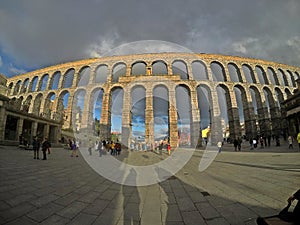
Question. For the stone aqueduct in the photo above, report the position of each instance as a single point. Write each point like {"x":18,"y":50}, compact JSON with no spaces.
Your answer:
{"x":263,"y":82}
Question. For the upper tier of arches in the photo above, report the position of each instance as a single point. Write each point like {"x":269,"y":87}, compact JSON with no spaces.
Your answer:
{"x":197,"y":67}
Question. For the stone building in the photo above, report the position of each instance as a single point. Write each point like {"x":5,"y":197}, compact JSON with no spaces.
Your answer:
{"x":186,"y":92}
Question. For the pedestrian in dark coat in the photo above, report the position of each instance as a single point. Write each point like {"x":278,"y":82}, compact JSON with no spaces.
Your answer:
{"x":45,"y":146}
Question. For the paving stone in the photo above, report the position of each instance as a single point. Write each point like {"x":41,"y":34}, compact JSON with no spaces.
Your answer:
{"x":89,"y":197}
{"x":17,"y":211}
{"x":173,"y":213}
{"x":22,"y":221}
{"x":197,"y":196}
{"x":19,"y":199}
{"x":83,"y":218}
{"x":4,"y":206}
{"x":186,"y":204}
{"x":72,"y":210}
{"x":96,"y":207}
{"x":67,"y":199}
{"x":38,"y":202}
{"x":55,"y":219}
{"x":44,"y":212}
{"x":193,"y":218}
{"x":109,"y":217}
{"x":207,"y":211}
{"x":217,"y":221}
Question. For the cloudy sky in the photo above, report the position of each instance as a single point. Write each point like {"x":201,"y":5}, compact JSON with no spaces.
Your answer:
{"x":36,"y":34}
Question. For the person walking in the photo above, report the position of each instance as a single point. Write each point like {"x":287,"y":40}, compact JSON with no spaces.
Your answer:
{"x":290,"y":140}
{"x":219,"y":145}
{"x":45,"y":146}
{"x":90,"y":146}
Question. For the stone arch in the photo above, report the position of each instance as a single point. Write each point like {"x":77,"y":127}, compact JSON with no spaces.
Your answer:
{"x":261,"y":75}
{"x":54,"y":81}
{"x":180,"y":67}
{"x":218,"y":71}
{"x":248,"y":112}
{"x":234,"y":73}
{"x":297,"y":75}
{"x":33,"y":84}
{"x":161,"y":107}
{"x":19,"y":102}
{"x":10,"y":87}
{"x":95,"y":107}
{"x":279,"y":96}
{"x":159,"y":67}
{"x":27,"y":103}
{"x":101,"y":74}
{"x":62,"y":106}
{"x":273,"y":77}
{"x":282,"y":77}
{"x":248,"y":73}
{"x":17,"y":87}
{"x":274,"y":112}
{"x":68,"y":78}
{"x":83,"y":76}
{"x":291,"y":79}
{"x":184,"y":114}
{"x":288,"y":92}
{"x":43,"y":82}
{"x":204,"y":98}
{"x":119,"y":70}
{"x":116,"y":106}
{"x":49,"y":105}
{"x":138,"y":68}
{"x":36,"y":110}
{"x":24,"y":86}
{"x":199,"y":70}
{"x":138,"y":111}
{"x":78,"y":108}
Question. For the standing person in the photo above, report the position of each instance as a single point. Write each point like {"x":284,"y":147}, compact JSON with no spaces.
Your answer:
{"x":169,"y":148}
{"x":235,"y":144}
{"x":101,"y":146}
{"x":36,"y":147}
{"x":90,"y":146}
{"x":290,"y":140}
{"x":45,"y":147}
{"x":298,"y":139}
{"x":219,"y":145}
{"x":251,"y":143}
{"x":239,"y":144}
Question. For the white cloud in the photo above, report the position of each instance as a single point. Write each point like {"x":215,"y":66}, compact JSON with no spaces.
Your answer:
{"x":15,"y":70}
{"x":294,"y":42}
{"x":244,"y":45}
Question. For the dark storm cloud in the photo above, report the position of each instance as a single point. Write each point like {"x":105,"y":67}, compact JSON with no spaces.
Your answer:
{"x":41,"y":33}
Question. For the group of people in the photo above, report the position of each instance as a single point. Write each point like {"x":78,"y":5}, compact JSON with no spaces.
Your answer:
{"x":37,"y":144}
{"x":103,"y":147}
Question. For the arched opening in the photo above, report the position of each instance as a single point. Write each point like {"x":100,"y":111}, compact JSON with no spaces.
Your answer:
{"x":138,"y":107}
{"x":291,"y":79}
{"x":17,"y":87}
{"x":49,"y":107}
{"x":68,"y":78}
{"x":55,"y":80}
{"x":248,"y":72}
{"x":37,"y":105}
{"x":84,"y":76}
{"x":234,"y":72}
{"x":119,"y":70}
{"x":116,"y":112}
{"x":78,"y":107}
{"x":96,"y":109}
{"x":261,"y":75}
{"x":179,"y":67}
{"x":101,"y":74}
{"x":25,"y":86}
{"x":159,"y":68}
{"x":272,"y":76}
{"x":218,"y":71}
{"x":43,"y":83}
{"x":199,"y":71}
{"x":138,"y":68}
{"x":183,"y":105}
{"x":161,"y":113}
{"x":33,"y":84}
{"x":282,"y":78}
